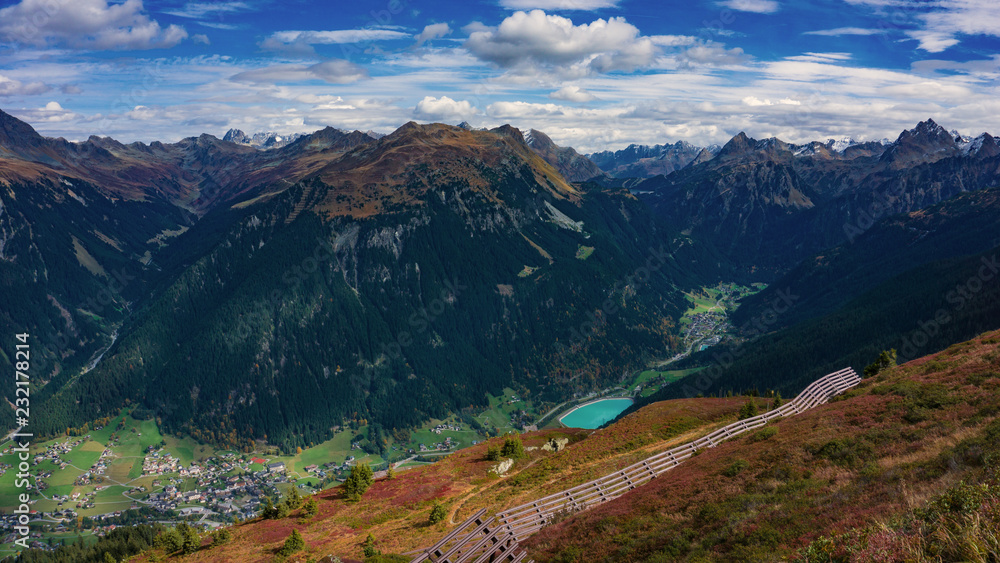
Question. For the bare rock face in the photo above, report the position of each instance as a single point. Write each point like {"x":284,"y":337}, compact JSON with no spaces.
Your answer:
{"x":646,"y":161}
{"x":556,"y":444}
{"x":572,"y":165}
{"x":503,"y":467}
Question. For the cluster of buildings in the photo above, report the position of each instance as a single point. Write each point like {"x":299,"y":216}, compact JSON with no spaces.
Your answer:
{"x":54,"y":452}
{"x":236,"y":496}
{"x":447,"y":444}
{"x":156,"y":463}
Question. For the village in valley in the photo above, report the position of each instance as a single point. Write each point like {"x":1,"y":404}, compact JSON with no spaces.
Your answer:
{"x":126,"y":472}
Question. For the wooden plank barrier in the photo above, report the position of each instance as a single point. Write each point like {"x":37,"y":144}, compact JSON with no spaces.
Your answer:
{"x":496,"y":539}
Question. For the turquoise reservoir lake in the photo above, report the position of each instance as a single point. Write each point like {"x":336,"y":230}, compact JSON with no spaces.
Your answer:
{"x":595,"y":414}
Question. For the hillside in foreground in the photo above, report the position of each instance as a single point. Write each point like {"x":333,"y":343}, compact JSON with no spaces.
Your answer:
{"x":868,"y":469}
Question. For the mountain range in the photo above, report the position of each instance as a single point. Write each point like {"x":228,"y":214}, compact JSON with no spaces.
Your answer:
{"x":247,"y":294}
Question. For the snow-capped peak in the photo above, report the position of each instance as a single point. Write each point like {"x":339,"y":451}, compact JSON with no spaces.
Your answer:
{"x":841,"y":144}
{"x":972,"y":146}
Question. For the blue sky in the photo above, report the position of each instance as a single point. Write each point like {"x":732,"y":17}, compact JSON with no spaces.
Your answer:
{"x":594,"y":74}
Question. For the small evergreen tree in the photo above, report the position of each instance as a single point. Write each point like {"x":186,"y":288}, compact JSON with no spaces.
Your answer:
{"x":438,"y":513}
{"x":294,"y":500}
{"x":269,"y":511}
{"x":493,"y":453}
{"x":358,"y":481}
{"x":390,"y":473}
{"x":221,"y":536}
{"x":885,"y":360}
{"x":192,"y":540}
{"x":513,"y":447}
{"x":310,"y":508}
{"x":368,"y":548}
{"x":777,"y":401}
{"x":171,"y":541}
{"x":748,"y":410}
{"x":294,"y":543}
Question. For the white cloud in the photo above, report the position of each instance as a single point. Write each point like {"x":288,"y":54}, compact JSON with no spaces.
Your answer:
{"x":335,"y":71}
{"x":522,"y":110}
{"x":444,"y":109}
{"x":338,"y":36}
{"x":86,"y":24}
{"x":584,"y":5}
{"x":941,"y":22}
{"x":201,"y":38}
{"x":196,"y":10}
{"x":12,"y":87}
{"x":301,"y":42}
{"x":712,"y":54}
{"x":529,"y":40}
{"x":821,"y":57}
{"x":52,"y":112}
{"x":932,"y":41}
{"x":968,"y":17}
{"x":142,"y":113}
{"x":755,"y":6}
{"x":475,"y":26}
{"x":572,"y":94}
{"x":673,"y":40}
{"x":431,"y":32}
{"x":841,"y":31}
{"x":753,"y":101}
{"x":217,"y":25}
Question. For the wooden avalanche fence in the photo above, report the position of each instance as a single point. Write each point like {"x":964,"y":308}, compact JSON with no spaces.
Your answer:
{"x":482,"y":539}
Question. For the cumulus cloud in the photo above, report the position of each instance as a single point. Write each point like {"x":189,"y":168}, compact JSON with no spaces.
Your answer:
{"x":572,"y":94}
{"x":12,"y":87}
{"x":201,"y":38}
{"x":444,"y":109}
{"x":755,"y":6}
{"x":86,"y":24}
{"x":431,"y":32}
{"x":584,"y":5}
{"x":532,"y":40}
{"x":335,"y":71}
{"x":52,"y":112}
{"x":142,"y":113}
